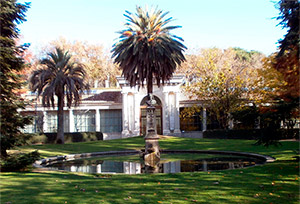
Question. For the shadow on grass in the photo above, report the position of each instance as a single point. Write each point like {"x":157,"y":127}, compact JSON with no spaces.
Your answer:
{"x":271,"y":183}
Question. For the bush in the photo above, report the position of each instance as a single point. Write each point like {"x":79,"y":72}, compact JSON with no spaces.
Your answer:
{"x":250,"y":134}
{"x":37,"y":139}
{"x":269,"y":136}
{"x":50,"y":138}
{"x":262,"y":135}
{"x":18,"y":162}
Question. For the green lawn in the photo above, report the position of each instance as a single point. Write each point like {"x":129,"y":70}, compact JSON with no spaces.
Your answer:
{"x":276,"y":182}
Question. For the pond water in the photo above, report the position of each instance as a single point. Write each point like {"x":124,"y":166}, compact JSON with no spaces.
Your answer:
{"x":169,"y":163}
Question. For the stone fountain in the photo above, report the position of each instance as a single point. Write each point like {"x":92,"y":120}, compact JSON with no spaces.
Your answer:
{"x":151,"y":155}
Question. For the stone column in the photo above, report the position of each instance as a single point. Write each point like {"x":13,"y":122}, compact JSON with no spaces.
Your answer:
{"x":166,"y":122}
{"x":177,"y":119}
{"x":136,"y":115}
{"x":71,"y":121}
{"x":125,"y":131}
{"x":97,"y":120}
{"x":172,"y":110}
{"x":130,"y":111}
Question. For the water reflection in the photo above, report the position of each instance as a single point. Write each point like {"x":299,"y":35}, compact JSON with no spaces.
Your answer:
{"x":111,"y":167}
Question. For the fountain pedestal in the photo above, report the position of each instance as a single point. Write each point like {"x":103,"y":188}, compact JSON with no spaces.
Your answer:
{"x":152,"y":151}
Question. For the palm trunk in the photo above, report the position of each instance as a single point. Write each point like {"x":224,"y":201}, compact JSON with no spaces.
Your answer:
{"x":150,"y":85}
{"x":60,"y":121}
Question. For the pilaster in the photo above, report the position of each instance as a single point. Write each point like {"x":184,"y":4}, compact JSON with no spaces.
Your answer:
{"x":71,"y":121}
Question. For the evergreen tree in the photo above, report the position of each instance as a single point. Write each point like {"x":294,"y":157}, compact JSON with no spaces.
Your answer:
{"x":11,"y":63}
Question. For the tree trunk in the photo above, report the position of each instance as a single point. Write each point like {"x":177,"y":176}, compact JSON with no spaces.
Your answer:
{"x":150,"y":85}
{"x":3,"y":153}
{"x":60,"y":121}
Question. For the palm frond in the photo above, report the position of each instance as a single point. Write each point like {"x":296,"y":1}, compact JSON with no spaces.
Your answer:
{"x":146,"y":49}
{"x":59,"y":77}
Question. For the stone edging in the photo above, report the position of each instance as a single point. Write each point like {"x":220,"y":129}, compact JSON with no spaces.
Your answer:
{"x":40,"y":163}
{"x":265,"y":158}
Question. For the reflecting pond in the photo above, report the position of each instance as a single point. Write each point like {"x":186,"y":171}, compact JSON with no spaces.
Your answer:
{"x":169,"y":163}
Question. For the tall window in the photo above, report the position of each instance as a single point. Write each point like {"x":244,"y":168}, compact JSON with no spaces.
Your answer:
{"x":52,"y":121}
{"x":37,"y":122}
{"x":191,"y":121}
{"x":85,"y":121}
{"x":110,"y":121}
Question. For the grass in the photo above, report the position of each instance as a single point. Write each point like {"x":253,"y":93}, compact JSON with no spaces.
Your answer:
{"x":276,"y":182}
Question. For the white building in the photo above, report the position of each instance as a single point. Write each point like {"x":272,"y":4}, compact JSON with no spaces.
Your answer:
{"x":121,"y":113}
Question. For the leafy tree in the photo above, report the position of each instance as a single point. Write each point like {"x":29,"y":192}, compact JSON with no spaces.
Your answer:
{"x":147,"y":50}
{"x":61,"y":78}
{"x":223,"y":80}
{"x":11,"y":63}
{"x":97,"y":62}
{"x":270,"y":82}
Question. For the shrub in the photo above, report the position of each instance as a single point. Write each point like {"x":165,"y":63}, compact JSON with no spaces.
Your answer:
{"x":37,"y":139}
{"x":50,"y":138}
{"x":266,"y":136}
{"x":18,"y":162}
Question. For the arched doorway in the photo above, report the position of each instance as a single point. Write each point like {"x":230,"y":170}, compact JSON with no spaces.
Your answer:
{"x":158,"y":115}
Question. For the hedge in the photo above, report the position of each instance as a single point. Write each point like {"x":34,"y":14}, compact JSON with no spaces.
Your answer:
{"x":50,"y":138}
{"x":252,"y":134}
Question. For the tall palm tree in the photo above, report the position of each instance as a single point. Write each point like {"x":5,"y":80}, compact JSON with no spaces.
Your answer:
{"x":146,"y":49}
{"x":61,"y":78}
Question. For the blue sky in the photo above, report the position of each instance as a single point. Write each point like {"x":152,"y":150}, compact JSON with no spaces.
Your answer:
{"x":248,"y":24}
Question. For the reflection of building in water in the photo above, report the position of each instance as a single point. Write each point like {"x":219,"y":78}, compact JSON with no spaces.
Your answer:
{"x":132,"y":168}
{"x":172,"y":167}
{"x":103,"y":167}
{"x":112,"y":167}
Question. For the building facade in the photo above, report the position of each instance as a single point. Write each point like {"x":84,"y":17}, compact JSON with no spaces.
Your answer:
{"x":121,"y":112}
